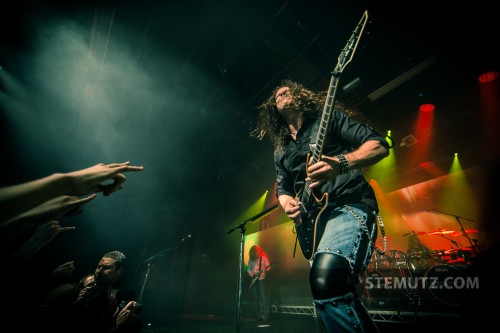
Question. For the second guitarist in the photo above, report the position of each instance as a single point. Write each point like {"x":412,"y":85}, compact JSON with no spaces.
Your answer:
{"x":337,"y":228}
{"x":258,"y":267}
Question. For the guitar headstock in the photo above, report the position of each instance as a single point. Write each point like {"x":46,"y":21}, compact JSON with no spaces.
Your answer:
{"x":347,"y":53}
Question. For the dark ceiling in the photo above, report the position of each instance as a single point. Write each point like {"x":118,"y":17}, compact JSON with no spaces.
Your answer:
{"x":213,"y":62}
{"x":246,"y":47}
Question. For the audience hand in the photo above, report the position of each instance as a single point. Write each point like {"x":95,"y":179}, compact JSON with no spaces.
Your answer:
{"x":128,"y":315}
{"x":58,"y":207}
{"x":50,"y":210}
{"x":44,"y":233}
{"x":65,"y":270}
{"x":48,"y":231}
{"x":90,"y":180}
{"x":105,"y":178}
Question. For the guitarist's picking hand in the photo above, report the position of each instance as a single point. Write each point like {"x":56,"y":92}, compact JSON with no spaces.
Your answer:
{"x":291,"y":206}
{"x":323,"y":171}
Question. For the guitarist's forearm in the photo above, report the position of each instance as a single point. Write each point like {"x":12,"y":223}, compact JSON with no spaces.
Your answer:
{"x":366,"y":155}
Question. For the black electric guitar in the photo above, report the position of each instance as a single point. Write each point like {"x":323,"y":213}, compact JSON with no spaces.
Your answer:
{"x":313,"y":205}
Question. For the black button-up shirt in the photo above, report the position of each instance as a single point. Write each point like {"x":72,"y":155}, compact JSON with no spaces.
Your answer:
{"x":344,"y":135}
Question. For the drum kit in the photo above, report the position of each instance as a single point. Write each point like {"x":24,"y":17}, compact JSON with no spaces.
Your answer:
{"x":417,"y":278}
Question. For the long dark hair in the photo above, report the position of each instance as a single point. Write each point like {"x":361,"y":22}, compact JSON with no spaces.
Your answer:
{"x":256,"y":249}
{"x":271,"y":123}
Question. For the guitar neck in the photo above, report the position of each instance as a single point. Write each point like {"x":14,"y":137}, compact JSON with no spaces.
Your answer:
{"x":325,"y":120}
{"x":322,"y":131}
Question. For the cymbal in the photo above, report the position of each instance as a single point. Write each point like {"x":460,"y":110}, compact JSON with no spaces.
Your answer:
{"x":470,"y":231}
{"x":415,"y":233}
{"x":441,"y":232}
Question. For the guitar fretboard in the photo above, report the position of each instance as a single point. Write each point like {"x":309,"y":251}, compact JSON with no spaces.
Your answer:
{"x":322,"y":132}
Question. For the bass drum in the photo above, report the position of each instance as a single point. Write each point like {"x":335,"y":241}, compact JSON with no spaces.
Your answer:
{"x":449,"y":285}
{"x":378,"y":289}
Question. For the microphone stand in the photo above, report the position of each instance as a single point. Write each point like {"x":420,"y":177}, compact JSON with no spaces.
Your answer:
{"x":241,"y":227}
{"x":150,"y":260}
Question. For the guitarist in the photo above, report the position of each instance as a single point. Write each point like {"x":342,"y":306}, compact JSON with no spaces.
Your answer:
{"x":258,"y":266}
{"x":346,"y":231}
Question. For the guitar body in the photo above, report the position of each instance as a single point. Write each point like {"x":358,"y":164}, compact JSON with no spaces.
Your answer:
{"x":308,"y":232}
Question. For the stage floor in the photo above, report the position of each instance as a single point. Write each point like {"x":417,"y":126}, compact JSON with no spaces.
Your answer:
{"x":387,"y":322}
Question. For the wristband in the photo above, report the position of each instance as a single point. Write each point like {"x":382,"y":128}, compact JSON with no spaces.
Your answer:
{"x":344,"y":165}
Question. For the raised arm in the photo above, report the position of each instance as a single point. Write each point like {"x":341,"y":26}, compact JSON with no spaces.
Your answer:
{"x":16,"y":199}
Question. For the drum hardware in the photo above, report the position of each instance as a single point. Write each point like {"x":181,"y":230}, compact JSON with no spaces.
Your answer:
{"x":420,"y":261}
{"x":382,"y":273}
{"x":456,"y":255}
{"x":418,"y":266}
{"x":424,"y":276}
{"x":462,"y":230}
{"x":462,"y":255}
{"x":441,"y":256}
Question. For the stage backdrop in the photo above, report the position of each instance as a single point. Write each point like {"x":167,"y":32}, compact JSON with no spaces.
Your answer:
{"x":428,"y":215}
